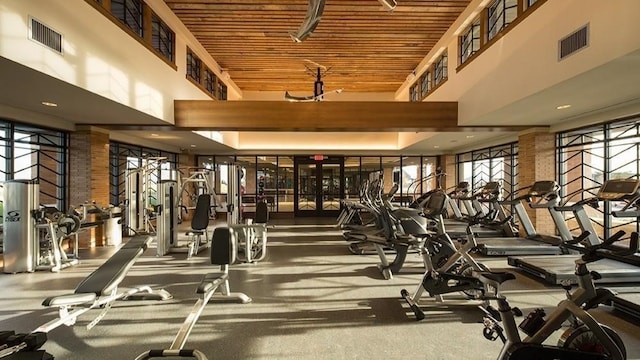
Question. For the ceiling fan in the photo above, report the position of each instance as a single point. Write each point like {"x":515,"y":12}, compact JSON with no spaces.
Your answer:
{"x":314,"y":13}
{"x":318,"y":85}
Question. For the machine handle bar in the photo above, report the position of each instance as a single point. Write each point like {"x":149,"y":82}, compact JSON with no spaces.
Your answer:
{"x":605,"y":249}
{"x":583,"y":236}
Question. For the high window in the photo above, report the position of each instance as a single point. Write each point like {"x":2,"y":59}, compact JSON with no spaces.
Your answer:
{"x":499,"y":17}
{"x":210,"y":81}
{"x":440,"y":70}
{"x":425,"y":83}
{"x":470,"y":41}
{"x":139,"y":20}
{"x":500,"y":14}
{"x":129,"y":12}
{"x":222,"y":91}
{"x":414,"y":92}
{"x":194,"y":65}
{"x":162,"y":37}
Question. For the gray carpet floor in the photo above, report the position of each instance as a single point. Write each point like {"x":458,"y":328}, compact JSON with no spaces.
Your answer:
{"x":312,"y":299}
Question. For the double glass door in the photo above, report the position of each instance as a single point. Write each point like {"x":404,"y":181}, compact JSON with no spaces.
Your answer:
{"x":319,"y":186}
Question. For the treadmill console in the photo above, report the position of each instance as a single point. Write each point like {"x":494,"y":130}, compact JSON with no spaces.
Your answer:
{"x":462,"y":187}
{"x":541,"y":188}
{"x":618,"y":189}
{"x":492,"y":187}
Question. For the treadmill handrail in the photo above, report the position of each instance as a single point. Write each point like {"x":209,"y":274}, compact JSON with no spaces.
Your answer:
{"x":626,"y":213}
{"x":570,"y":196}
{"x":606,"y":249}
{"x":585,"y":235}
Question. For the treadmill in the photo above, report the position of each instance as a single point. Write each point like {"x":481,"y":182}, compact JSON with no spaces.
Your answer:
{"x":489,"y":193}
{"x":560,"y":269}
{"x":627,"y":301}
{"x":542,"y":194}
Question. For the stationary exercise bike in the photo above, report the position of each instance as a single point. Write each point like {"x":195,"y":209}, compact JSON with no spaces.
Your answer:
{"x":585,"y":339}
{"x":449,"y":269}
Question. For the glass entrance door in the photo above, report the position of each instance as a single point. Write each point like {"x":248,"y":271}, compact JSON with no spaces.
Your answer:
{"x":319,"y":186}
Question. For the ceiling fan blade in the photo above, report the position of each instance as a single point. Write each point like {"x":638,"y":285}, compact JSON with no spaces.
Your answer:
{"x":311,"y":20}
{"x":292,"y":98}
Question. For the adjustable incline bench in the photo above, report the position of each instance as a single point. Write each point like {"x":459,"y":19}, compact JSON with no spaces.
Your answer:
{"x":100,"y":288}
{"x":223,"y":253}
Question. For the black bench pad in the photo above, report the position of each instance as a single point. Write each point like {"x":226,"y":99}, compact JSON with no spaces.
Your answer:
{"x":107,"y":277}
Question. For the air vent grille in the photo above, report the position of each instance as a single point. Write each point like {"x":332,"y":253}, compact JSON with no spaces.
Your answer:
{"x":573,"y":42}
{"x":45,"y":35}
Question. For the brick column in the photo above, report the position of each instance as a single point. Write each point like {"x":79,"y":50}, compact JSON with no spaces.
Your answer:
{"x":89,"y":175}
{"x":537,"y":161}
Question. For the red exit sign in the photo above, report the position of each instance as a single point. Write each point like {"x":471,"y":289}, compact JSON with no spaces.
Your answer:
{"x":319,"y":157}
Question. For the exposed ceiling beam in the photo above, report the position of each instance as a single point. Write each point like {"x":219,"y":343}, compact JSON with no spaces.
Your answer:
{"x":321,"y":116}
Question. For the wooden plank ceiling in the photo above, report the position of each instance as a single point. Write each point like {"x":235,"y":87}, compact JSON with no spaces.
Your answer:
{"x":364,"y":47}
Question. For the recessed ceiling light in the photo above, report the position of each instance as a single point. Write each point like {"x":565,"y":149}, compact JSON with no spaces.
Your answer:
{"x":566,"y":106}
{"x":192,"y":145}
{"x":155,"y":135}
{"x":470,"y":136}
{"x":48,"y":103}
{"x":436,"y":146}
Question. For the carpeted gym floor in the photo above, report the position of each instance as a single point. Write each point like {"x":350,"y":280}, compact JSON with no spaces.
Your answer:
{"x":312,"y":299}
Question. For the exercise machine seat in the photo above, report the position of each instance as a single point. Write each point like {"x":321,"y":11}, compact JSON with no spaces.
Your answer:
{"x":223,"y":250}
{"x":200,"y":220}
{"x":262,"y":213}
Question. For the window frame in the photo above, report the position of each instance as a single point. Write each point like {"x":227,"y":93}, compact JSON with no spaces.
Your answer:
{"x":501,"y":18}
{"x":137,"y":18}
{"x":194,"y":67}
{"x":440,"y":70}
{"x":146,"y":37}
{"x":472,"y":45}
{"x":165,"y":38}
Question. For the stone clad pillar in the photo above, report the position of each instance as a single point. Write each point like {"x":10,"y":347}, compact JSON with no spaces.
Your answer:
{"x":89,"y":175}
{"x":536,"y":162}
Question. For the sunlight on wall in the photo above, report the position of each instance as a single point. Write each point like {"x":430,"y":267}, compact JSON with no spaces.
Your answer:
{"x":148,"y":100}
{"x":108,"y":81}
{"x":16,"y":46}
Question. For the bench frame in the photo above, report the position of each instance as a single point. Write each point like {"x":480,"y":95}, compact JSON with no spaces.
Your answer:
{"x":70,"y":306}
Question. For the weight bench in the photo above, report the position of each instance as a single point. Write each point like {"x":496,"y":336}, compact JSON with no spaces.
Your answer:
{"x":223,"y":253}
{"x":100,"y":288}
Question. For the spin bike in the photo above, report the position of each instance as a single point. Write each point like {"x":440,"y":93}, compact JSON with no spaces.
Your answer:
{"x":449,"y":269}
{"x":585,"y":339}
